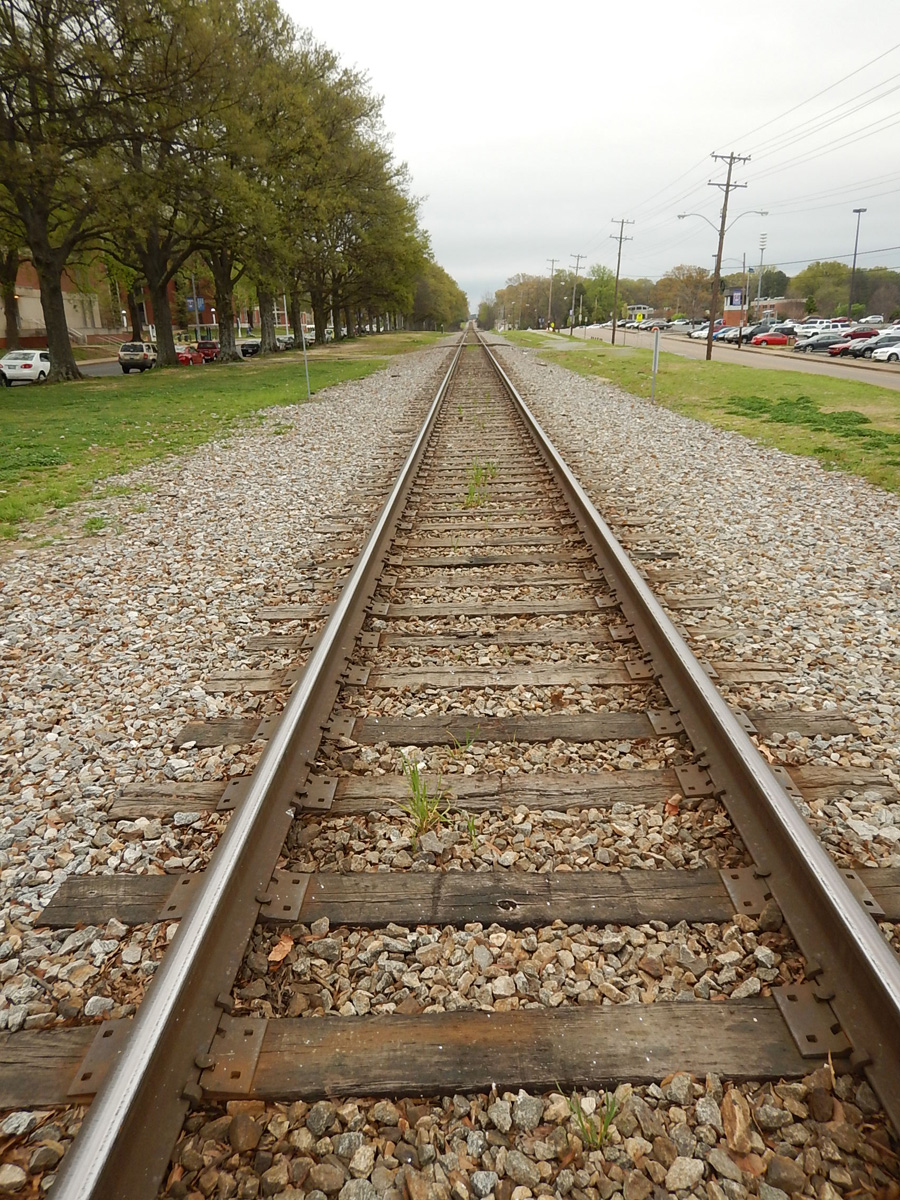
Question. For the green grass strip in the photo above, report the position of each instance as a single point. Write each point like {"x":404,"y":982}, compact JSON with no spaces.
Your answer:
{"x":845,"y":425}
{"x":57,"y":441}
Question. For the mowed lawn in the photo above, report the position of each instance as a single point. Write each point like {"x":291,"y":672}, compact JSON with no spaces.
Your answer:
{"x":58,"y":440}
{"x":846,"y":425}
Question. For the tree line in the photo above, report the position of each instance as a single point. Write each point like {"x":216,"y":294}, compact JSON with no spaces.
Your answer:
{"x":151,"y":131}
{"x":536,"y":301}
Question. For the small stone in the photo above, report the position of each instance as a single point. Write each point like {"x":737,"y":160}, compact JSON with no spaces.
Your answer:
{"x":243,"y":1133}
{"x":12,"y":1179}
{"x":358,"y":1189}
{"x":786,"y":1174}
{"x":679,"y":1089}
{"x":326,"y":1177}
{"x":346,"y":1144}
{"x":522,"y":1170}
{"x":637,"y":1186}
{"x":767,"y":1192}
{"x":684,"y":1173}
{"x":320,"y":1117}
{"x":736,"y":1121}
{"x":724,"y":1165}
{"x":384,"y":1113}
{"x":708,"y":1113}
{"x":652,"y":965}
{"x":16,"y":1124}
{"x":821,"y":1104}
{"x":483,"y":1183}
{"x":362,"y":1162}
{"x":771,"y":918}
{"x":46,"y":1157}
{"x":96,"y":1005}
{"x":664,"y":1151}
{"x":500,"y":1114}
{"x":527,"y":1111}
{"x":275,"y":1179}
{"x":504,"y":986}
{"x":770,"y":1118}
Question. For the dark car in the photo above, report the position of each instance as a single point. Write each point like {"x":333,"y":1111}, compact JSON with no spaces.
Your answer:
{"x":249,"y":347}
{"x":819,"y":342}
{"x":209,"y":350}
{"x":863,"y":347}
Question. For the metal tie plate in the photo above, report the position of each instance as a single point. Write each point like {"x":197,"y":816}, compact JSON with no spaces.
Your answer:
{"x":863,"y":895}
{"x":357,"y":676}
{"x":622,"y":633}
{"x":235,"y":1048}
{"x":748,"y":891}
{"x":101,"y":1054}
{"x":234,"y":793}
{"x":341,"y":725}
{"x":695,"y":780}
{"x":665,"y":721}
{"x":811,"y":1020}
{"x":318,"y":792}
{"x":639,"y":671}
{"x":369,"y":641}
{"x":283,"y":898}
{"x":176,"y":904}
{"x":378,"y":608}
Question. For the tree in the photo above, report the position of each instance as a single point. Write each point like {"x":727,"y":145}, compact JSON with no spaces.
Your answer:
{"x":487,"y":313}
{"x":12,"y":238}
{"x":599,"y":292}
{"x":439,"y":301}
{"x":59,"y":65}
{"x":685,"y":289}
{"x":826,"y":283}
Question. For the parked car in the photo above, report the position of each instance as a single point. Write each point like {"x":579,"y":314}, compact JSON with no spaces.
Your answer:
{"x":249,"y":347}
{"x":210,"y":350}
{"x":26,"y":365}
{"x":285,"y":341}
{"x":851,"y":338}
{"x":769,"y":338}
{"x":889,"y":354}
{"x":188,"y":356}
{"x":137,"y":356}
{"x":866,"y":347}
{"x":703,"y":331}
{"x":4,"y":378}
{"x":875,"y":319}
{"x":818,"y":343}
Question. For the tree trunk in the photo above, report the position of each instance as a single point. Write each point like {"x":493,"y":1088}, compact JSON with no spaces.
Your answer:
{"x":320,"y":319}
{"x":9,"y":269}
{"x":350,"y":322}
{"x":162,"y":319}
{"x":336,"y":309}
{"x":134,"y":315}
{"x":266,"y":301}
{"x":49,"y":271}
{"x":296,"y":310}
{"x":221,"y":263}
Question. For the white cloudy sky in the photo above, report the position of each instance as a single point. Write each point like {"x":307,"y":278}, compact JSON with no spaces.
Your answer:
{"x":527,"y":127}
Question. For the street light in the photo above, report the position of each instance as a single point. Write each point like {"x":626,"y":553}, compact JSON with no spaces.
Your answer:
{"x":859,"y":212}
{"x":760,"y":212}
{"x":722,"y":230}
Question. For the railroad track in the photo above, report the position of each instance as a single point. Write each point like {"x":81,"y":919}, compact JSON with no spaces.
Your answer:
{"x":498,"y":738}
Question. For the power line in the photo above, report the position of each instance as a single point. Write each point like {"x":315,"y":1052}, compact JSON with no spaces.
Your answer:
{"x":727,"y":187}
{"x":830,"y":88}
{"x":578,"y":258}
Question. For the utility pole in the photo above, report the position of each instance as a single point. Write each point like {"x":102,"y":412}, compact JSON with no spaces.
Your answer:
{"x":859,"y":212}
{"x":552,"y":262}
{"x":578,"y":258}
{"x":745,"y":299}
{"x":620,"y":238}
{"x":726,"y":187}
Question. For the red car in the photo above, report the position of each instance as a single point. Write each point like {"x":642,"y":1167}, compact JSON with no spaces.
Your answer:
{"x":189,"y":356}
{"x":769,"y":339}
{"x":209,"y":350}
{"x":842,"y":349}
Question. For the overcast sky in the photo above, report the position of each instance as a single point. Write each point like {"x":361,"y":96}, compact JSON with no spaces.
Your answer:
{"x":527,"y":128}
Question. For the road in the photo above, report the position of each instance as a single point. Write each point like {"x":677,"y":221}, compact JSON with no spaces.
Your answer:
{"x":880,"y":374}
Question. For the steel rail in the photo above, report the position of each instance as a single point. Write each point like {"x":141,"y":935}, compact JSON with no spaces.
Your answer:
{"x":857,"y":971}
{"x":126,"y":1140}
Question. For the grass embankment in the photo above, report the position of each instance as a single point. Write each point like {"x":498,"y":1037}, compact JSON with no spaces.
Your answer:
{"x":57,"y":441}
{"x":846,"y":425}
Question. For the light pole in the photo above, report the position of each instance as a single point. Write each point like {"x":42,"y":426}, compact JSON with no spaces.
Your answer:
{"x":763,"y":238}
{"x":859,"y":212}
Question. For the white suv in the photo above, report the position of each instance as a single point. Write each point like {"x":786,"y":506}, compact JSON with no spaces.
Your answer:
{"x":138,"y":356}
